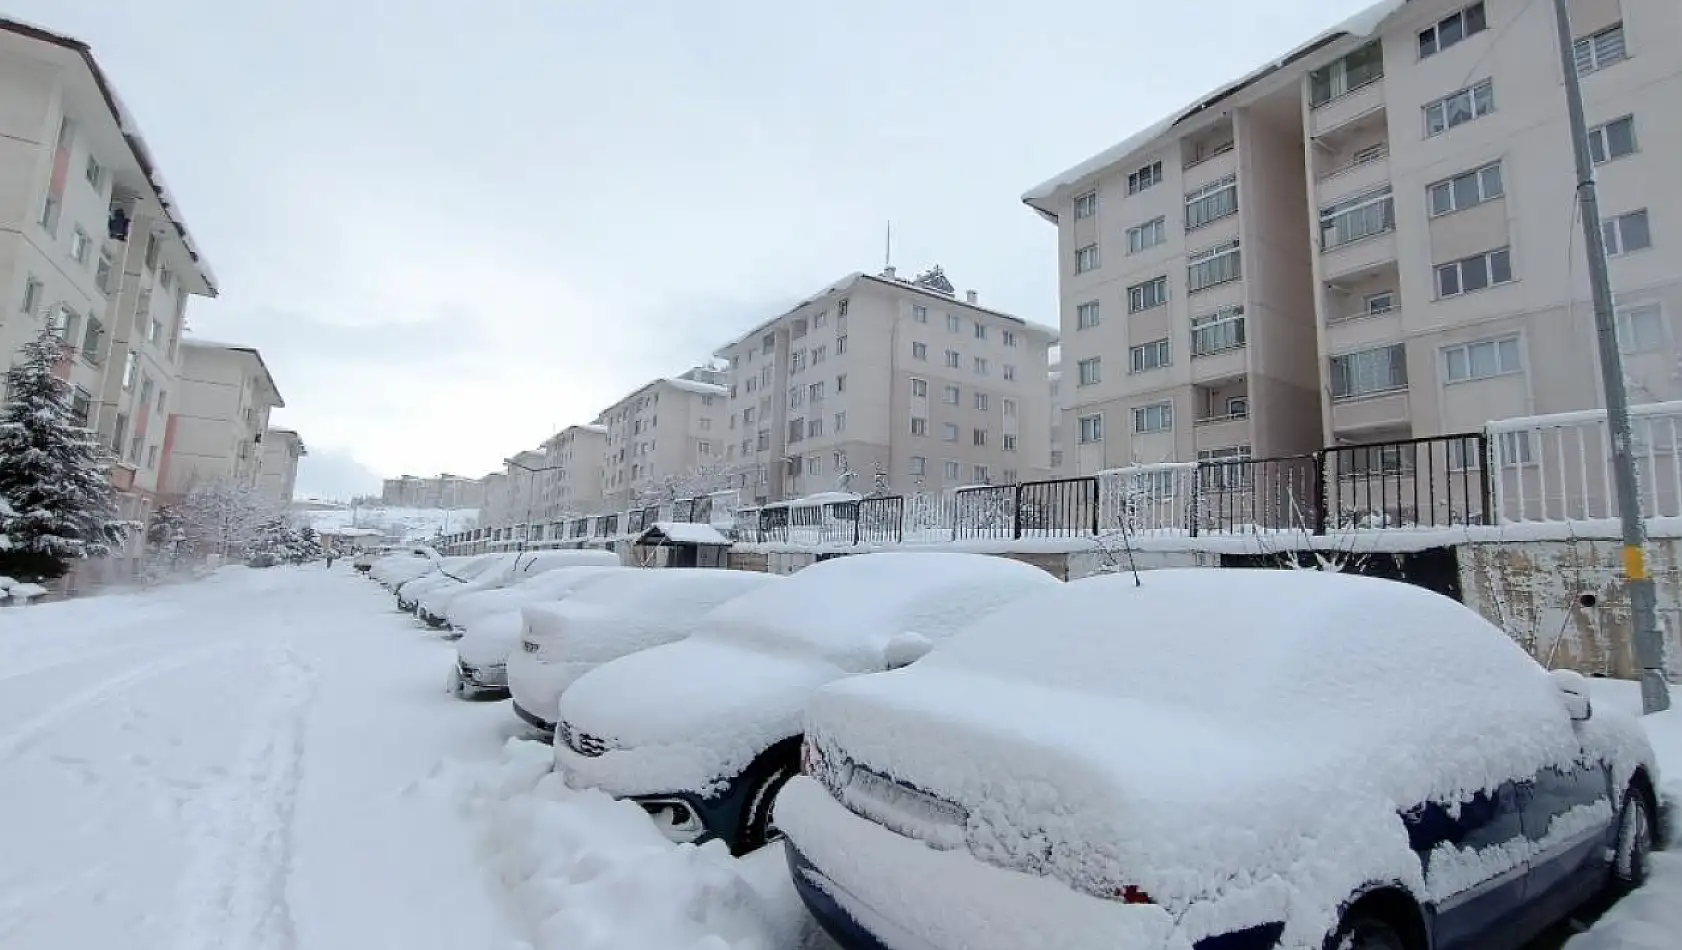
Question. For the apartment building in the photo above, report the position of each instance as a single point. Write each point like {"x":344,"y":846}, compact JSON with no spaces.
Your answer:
{"x":277,"y":472}
{"x":667,"y":429}
{"x":92,"y":244}
{"x":496,"y":509}
{"x":1054,"y":382}
{"x":1373,"y":238}
{"x":221,"y":412}
{"x":573,"y":462}
{"x":881,"y":374}
{"x":443,"y":491}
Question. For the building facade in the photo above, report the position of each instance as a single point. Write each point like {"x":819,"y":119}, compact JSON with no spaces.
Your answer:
{"x":91,"y":245}
{"x":444,"y":491}
{"x":215,"y":433}
{"x":1373,"y":239}
{"x":882,"y":376}
{"x":277,"y":473}
{"x":666,"y":436}
{"x":572,"y":464}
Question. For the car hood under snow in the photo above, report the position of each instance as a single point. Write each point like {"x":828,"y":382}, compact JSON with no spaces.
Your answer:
{"x":490,"y":640}
{"x":686,"y":716}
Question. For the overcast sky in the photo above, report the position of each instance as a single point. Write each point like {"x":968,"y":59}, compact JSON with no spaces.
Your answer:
{"x":454,"y":227}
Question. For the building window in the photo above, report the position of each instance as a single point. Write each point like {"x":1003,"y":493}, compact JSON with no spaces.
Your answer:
{"x":1474,"y":273}
{"x":1466,"y":190}
{"x":1481,"y":360}
{"x":1087,"y":315}
{"x":1086,"y":205}
{"x":919,"y":425}
{"x":841,"y":383}
{"x":1613,"y":140}
{"x":32,"y":292}
{"x":1212,"y":202}
{"x":1212,"y":266}
{"x":950,"y":395}
{"x":821,"y":320}
{"x":1363,"y":66}
{"x":119,"y":432}
{"x":1600,"y":50}
{"x":1009,"y":408}
{"x":1091,"y":372}
{"x":763,"y":440}
{"x":919,"y":465}
{"x":1148,"y":295}
{"x":981,"y":402}
{"x":1056,"y":458}
{"x":1362,"y":216}
{"x":1008,"y":371}
{"x":1091,"y":429}
{"x":920,"y":351}
{"x":151,"y":458}
{"x":1641,"y":328}
{"x":814,"y":427}
{"x":1148,"y":356}
{"x":1146,"y":177}
{"x":1157,"y":417}
{"x":952,"y":359}
{"x":1217,"y":331}
{"x":704,"y":447}
{"x":1459,"y":108}
{"x":920,"y":389}
{"x":981,"y":475}
{"x":840,"y":423}
{"x":920,"y":313}
{"x":951,"y":470}
{"x":767,"y":343}
{"x":49,"y":215}
{"x":1147,"y":235}
{"x":796,"y":430}
{"x":1368,"y":372}
{"x":948,"y":433}
{"x":981,"y":366}
{"x":80,"y":245}
{"x":814,"y":392}
{"x":146,"y":387}
{"x":979,"y":437}
{"x":841,"y":308}
{"x":1009,"y":337}
{"x":81,"y":406}
{"x":1452,"y":29}
{"x":953,"y":324}
{"x":1626,"y":233}
{"x":91,"y":340}
{"x":1009,"y":442}
{"x":130,"y":367}
{"x":94,"y":173}
{"x":105,"y":274}
{"x":840,"y":345}
{"x":1086,"y":259}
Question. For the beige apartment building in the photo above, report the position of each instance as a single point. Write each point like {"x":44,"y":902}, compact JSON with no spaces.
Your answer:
{"x":669,"y":429}
{"x":222,"y":409}
{"x":880,"y":374}
{"x":443,"y":491}
{"x":277,"y":473}
{"x":1374,"y":239}
{"x":571,"y":483}
{"x":92,"y":244}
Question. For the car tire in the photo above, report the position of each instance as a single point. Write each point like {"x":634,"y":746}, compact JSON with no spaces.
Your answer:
{"x":764,"y":780}
{"x":1633,"y":848}
{"x":1366,"y":931}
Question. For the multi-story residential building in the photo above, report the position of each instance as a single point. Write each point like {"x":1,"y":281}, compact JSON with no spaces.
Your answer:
{"x":523,"y":474}
{"x":92,"y":244}
{"x":572,"y":465}
{"x":444,"y":491}
{"x":876,"y":374}
{"x":665,"y":430}
{"x":277,"y":473}
{"x":497,"y":508}
{"x":1373,"y":238}
{"x":221,"y":412}
{"x":1054,"y":380}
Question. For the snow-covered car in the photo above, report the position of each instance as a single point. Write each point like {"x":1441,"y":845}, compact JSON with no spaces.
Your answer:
{"x":364,"y":560}
{"x":395,"y":569}
{"x":703,"y":732}
{"x":449,"y":572}
{"x":481,"y":667}
{"x":526,"y":588}
{"x":1216,"y":758}
{"x":561,"y":642}
{"x":508,"y":570}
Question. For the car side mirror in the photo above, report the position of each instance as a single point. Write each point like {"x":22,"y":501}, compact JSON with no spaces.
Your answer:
{"x":904,"y":649}
{"x":1574,"y":689}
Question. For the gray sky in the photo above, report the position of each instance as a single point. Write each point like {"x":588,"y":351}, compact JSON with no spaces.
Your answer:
{"x":455,"y":228}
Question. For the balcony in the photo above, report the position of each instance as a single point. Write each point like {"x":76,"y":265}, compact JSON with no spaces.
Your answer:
{"x":1347,"y":90}
{"x":1358,"y":234}
{"x":1352,"y":159}
{"x":1209,"y":155}
{"x":1222,"y":412}
{"x":1363,"y":307}
{"x":1371,"y":411}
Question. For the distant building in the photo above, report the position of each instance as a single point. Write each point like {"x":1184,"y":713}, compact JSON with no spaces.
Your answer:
{"x":667,"y":429}
{"x":216,"y":433}
{"x":277,"y":473}
{"x":444,"y":491}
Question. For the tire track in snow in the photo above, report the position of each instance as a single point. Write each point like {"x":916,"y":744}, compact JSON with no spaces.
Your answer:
{"x":18,"y":737}
{"x":233,"y":893}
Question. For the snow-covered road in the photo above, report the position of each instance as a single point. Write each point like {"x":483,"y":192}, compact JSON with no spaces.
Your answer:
{"x":236,"y":763}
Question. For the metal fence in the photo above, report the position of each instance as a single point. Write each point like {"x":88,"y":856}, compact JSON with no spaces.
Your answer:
{"x":1559,"y":467}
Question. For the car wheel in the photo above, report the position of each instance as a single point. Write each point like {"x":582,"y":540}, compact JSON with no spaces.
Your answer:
{"x":1363,"y":931}
{"x":769,"y":777}
{"x":1634,"y":847}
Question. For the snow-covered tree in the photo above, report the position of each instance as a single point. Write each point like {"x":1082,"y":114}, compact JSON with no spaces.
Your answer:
{"x":879,"y":486}
{"x":703,"y":479}
{"x":224,"y":517}
{"x":52,"y":473}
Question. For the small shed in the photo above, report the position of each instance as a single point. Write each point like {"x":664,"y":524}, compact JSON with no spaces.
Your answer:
{"x":681,"y":544}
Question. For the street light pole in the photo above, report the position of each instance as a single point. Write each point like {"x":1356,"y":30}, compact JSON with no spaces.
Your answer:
{"x":1648,"y":639}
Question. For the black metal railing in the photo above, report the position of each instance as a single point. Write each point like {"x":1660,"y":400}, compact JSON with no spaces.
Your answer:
{"x":881,"y":520}
{"x":1241,"y":495}
{"x":1059,"y":507}
{"x":1435,"y":482}
{"x":987,"y":511}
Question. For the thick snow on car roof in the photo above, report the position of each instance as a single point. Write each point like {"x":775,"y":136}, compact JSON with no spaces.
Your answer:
{"x":846,"y":609}
{"x":541,"y":561}
{"x":623,"y":605}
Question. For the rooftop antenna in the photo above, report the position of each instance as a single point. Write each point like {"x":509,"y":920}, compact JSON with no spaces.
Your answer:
{"x":888,"y":250}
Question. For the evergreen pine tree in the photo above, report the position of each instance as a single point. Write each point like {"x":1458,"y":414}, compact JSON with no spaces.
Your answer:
{"x":52,"y":473}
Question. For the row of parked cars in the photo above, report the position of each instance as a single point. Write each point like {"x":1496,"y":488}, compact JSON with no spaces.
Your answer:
{"x":962,"y":751}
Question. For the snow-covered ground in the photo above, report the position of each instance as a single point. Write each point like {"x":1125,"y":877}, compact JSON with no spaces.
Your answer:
{"x":267,"y":760}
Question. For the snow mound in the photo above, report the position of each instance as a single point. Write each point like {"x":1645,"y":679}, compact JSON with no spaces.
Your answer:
{"x":585,"y":872}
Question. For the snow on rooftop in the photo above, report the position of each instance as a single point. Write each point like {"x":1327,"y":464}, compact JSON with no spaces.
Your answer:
{"x":1363,"y":23}
{"x":682,"y":532}
{"x":690,"y":385}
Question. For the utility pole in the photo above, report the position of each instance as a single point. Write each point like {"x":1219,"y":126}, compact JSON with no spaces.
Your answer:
{"x":1648,"y":638}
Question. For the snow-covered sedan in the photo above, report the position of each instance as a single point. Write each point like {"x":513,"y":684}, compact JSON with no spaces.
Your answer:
{"x":528,"y":586}
{"x":617,"y":617}
{"x":398,"y":568}
{"x":491,"y":634}
{"x":1233,"y":759}
{"x":449,"y":571}
{"x":703,"y":732}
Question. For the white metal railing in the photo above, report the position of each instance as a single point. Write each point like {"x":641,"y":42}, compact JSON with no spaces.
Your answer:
{"x":1155,"y":498}
{"x":1558,"y":467}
